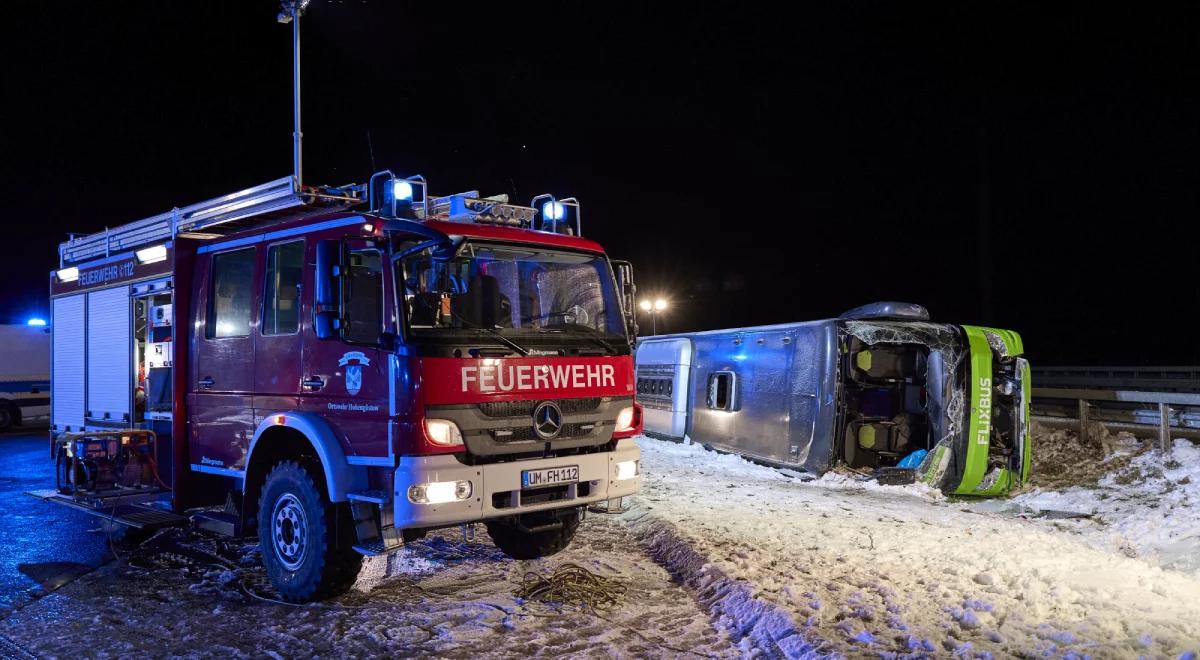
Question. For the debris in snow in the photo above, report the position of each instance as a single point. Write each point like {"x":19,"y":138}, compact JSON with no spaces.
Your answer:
{"x":1061,"y":460}
{"x":1147,"y":506}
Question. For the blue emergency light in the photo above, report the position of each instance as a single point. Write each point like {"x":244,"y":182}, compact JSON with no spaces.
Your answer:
{"x":402,"y":190}
{"x":560,"y":216}
{"x":553,"y":211}
{"x":36,"y":322}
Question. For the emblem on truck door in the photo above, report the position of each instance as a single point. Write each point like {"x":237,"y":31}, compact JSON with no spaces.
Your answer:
{"x":353,"y":371}
{"x":547,"y":420}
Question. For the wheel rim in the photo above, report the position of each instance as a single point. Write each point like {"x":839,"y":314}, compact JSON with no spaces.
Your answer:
{"x":289,"y":531}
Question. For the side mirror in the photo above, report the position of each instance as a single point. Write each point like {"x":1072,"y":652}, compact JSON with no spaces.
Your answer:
{"x":325,"y":302}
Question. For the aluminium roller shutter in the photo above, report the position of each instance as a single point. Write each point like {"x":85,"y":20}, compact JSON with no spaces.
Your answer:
{"x":66,"y":387}
{"x":109,"y":359}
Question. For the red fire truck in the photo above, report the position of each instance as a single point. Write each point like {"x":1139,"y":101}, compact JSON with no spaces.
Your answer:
{"x":341,"y":370}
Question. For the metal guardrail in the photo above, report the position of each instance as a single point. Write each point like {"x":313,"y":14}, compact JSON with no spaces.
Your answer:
{"x":1155,"y":378}
{"x":1086,"y":397}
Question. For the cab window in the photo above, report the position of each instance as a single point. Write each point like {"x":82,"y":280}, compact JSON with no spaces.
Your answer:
{"x":229,"y":302}
{"x":362,"y":295}
{"x":281,"y":302}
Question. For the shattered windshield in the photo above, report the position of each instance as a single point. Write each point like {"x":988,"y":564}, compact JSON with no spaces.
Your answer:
{"x":513,"y":290}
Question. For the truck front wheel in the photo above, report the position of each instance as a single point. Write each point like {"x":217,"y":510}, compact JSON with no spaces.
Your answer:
{"x":535,"y":535}
{"x":305,"y":555}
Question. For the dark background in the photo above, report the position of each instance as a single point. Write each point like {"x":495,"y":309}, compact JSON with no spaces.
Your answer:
{"x":1034,"y":169}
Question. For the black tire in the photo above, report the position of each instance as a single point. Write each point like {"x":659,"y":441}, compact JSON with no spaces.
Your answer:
{"x":518,"y":543}
{"x":893,"y":476}
{"x":305,"y":555}
{"x":9,"y":416}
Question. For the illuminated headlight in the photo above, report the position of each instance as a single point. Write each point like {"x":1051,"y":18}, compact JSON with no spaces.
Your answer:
{"x":152,"y":254}
{"x":628,"y":470}
{"x":443,"y":432}
{"x":625,"y":420}
{"x":553,"y":211}
{"x":402,"y":191}
{"x":68,"y":274}
{"x":440,"y":492}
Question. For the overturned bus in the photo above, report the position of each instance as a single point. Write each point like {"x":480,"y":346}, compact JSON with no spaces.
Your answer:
{"x":874,"y":387}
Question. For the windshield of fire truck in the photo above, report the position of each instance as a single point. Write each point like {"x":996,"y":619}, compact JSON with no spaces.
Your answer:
{"x":514,"y":290}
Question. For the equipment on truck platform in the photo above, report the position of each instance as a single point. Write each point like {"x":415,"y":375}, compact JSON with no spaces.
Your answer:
{"x":92,"y":463}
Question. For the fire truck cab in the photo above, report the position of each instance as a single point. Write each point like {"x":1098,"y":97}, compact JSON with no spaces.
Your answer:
{"x":341,"y":370}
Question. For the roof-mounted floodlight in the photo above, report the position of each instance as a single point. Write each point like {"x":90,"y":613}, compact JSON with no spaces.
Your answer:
{"x":560,"y":216}
{"x":68,"y":274}
{"x":152,"y":254}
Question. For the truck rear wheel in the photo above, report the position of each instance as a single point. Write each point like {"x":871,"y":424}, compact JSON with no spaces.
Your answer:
{"x":305,"y":555}
{"x":535,"y":535}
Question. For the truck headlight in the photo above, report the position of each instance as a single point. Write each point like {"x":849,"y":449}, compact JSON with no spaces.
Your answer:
{"x":443,"y":432}
{"x":625,"y":420}
{"x":440,"y":492}
{"x":628,"y":470}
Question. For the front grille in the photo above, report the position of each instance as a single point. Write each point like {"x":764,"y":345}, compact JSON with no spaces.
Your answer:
{"x":527,"y":434}
{"x":525,"y":408}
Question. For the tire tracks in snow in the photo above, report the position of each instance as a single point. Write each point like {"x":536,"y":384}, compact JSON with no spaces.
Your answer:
{"x":754,"y":623}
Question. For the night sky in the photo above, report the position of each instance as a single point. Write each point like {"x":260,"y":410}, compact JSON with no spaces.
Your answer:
{"x":1013,"y":167}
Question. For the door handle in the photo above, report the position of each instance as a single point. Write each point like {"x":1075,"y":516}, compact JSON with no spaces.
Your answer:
{"x":206,"y":382}
{"x":313,"y":383}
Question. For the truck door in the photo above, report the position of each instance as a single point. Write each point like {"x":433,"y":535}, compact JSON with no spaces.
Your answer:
{"x":279,"y":344}
{"x":348,"y":378}
{"x":222,"y":375}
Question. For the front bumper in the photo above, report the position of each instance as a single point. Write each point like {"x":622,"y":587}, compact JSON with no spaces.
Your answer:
{"x":496,"y":487}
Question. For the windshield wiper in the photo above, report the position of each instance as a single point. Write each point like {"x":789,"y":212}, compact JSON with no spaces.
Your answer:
{"x":599,"y":340}
{"x":494,"y":334}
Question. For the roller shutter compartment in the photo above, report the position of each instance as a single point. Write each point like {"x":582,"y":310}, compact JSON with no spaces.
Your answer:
{"x":109,"y":363}
{"x":66,"y":389}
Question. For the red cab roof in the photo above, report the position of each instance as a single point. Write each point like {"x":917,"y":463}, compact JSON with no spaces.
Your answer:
{"x":513,"y":235}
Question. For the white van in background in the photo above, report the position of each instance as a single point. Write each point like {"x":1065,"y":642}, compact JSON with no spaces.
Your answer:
{"x":24,"y":374}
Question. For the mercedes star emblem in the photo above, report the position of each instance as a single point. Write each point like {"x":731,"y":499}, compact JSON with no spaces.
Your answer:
{"x":547,"y":420}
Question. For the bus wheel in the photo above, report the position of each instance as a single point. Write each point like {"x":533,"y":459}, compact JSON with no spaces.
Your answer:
{"x":305,"y":557}
{"x":535,"y":535}
{"x":8,"y":416}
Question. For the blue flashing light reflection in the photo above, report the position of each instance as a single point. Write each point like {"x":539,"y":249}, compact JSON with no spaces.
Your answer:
{"x":402,"y":190}
{"x":36,"y":322}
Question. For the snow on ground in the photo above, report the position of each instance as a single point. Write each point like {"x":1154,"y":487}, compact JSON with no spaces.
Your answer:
{"x":1141,"y":502}
{"x":859,"y":569}
{"x":438,"y":597}
{"x":722,"y":558}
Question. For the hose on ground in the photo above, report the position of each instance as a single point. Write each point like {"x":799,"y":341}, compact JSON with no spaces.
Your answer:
{"x":572,"y":584}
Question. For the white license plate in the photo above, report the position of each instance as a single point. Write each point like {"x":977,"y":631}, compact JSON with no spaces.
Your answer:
{"x":567,"y":474}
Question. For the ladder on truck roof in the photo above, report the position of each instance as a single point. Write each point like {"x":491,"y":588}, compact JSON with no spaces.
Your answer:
{"x":206,"y":219}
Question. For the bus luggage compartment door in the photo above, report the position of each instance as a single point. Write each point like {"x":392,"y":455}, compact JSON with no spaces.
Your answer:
{"x":663,"y":378}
